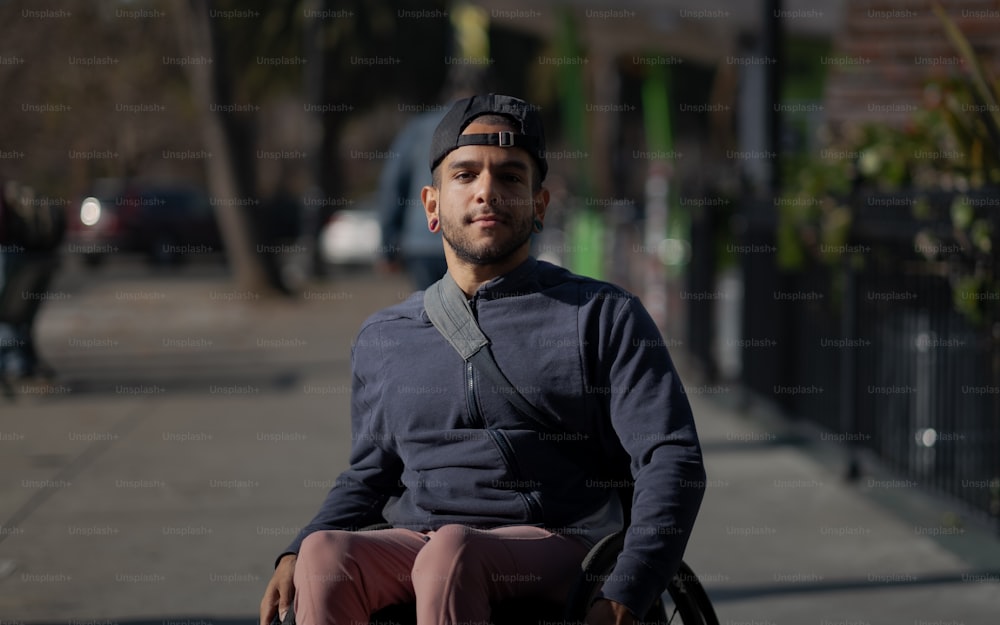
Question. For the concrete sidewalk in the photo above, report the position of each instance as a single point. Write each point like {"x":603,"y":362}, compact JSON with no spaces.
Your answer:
{"x":783,"y":538}
{"x":194,"y":428}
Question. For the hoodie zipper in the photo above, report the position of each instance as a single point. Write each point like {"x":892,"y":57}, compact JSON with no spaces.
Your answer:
{"x":503,"y":445}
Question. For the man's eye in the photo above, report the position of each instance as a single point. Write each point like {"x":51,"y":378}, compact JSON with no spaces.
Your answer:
{"x":464,"y":175}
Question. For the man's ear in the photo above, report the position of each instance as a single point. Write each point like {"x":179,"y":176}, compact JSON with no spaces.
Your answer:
{"x":541,"y":200}
{"x":429,"y":197}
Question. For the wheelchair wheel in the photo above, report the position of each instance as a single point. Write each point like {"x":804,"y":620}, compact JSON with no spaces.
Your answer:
{"x":684,"y":603}
{"x":691,"y":603}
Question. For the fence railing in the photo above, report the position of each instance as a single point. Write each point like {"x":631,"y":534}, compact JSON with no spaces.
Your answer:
{"x":877,"y":354}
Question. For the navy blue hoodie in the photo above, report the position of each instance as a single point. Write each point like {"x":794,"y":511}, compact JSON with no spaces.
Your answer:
{"x":435,"y":443}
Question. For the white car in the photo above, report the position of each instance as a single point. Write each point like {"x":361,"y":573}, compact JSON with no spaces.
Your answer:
{"x":351,"y":237}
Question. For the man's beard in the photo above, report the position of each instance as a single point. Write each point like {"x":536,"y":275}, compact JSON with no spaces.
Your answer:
{"x":488,"y":254}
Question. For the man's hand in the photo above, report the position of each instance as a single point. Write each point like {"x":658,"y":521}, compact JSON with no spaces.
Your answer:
{"x":278,"y":596}
{"x":608,"y":612}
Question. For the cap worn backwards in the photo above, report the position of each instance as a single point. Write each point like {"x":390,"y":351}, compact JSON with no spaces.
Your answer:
{"x":530,"y":136}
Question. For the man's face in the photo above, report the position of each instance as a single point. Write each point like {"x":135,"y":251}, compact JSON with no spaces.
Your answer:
{"x":485,"y":203}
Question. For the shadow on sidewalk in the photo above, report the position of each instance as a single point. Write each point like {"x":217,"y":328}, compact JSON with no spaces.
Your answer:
{"x":139,"y":374}
{"x":710,"y":447}
{"x":873,"y":582}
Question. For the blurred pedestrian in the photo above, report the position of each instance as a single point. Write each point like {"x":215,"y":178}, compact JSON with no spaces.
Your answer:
{"x":31,"y":231}
{"x":281,"y":237}
{"x":406,"y":242}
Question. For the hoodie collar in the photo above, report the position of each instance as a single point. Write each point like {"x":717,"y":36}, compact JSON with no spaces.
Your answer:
{"x":514,"y":282}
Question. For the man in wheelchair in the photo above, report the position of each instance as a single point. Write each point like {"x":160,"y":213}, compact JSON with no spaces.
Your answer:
{"x":496,"y":417}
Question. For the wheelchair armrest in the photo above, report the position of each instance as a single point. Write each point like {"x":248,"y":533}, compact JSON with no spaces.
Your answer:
{"x":594,"y":569}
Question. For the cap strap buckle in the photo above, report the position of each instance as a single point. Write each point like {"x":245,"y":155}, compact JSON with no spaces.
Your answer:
{"x":505,"y":138}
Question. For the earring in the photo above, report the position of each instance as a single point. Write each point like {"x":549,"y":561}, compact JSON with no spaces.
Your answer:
{"x":433,"y":225}
{"x":539,"y":226}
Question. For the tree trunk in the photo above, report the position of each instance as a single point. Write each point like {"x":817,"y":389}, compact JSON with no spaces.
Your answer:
{"x":249,"y":269}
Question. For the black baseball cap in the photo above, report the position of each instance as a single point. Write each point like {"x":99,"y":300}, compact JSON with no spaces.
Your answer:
{"x":531,"y":136}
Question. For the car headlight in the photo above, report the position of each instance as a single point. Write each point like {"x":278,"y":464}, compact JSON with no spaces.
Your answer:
{"x":90,"y":211}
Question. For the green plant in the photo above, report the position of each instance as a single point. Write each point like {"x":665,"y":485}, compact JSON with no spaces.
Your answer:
{"x":951,"y":144}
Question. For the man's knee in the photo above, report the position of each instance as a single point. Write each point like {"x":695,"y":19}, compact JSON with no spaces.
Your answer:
{"x":449,"y":549}
{"x":324,"y":557}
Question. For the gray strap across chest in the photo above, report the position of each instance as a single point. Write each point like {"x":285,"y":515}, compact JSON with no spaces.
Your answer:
{"x":450,"y":313}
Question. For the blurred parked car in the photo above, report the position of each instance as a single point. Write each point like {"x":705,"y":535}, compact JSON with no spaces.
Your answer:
{"x":351,"y":237}
{"x":165,"y":221}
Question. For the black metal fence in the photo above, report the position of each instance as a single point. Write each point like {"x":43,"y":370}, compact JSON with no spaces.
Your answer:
{"x":876,"y":352}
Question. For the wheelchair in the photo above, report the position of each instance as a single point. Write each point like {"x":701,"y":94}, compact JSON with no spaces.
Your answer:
{"x":684,"y":602}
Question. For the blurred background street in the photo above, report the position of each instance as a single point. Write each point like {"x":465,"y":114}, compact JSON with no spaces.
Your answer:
{"x":202,"y":200}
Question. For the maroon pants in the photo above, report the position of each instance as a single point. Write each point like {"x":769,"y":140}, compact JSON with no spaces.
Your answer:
{"x":452,"y":573}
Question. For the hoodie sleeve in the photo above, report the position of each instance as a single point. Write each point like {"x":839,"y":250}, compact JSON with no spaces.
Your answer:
{"x":361,"y":492}
{"x":652,"y":417}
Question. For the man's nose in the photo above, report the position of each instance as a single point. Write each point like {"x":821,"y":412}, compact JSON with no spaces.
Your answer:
{"x":486,"y":190}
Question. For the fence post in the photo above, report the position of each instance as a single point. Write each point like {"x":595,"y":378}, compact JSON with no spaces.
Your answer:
{"x":849,"y":421}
